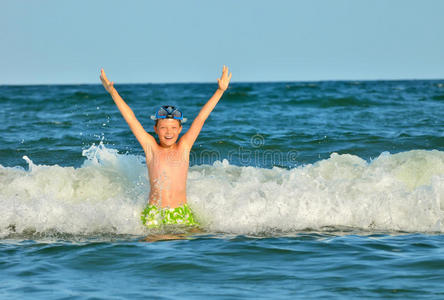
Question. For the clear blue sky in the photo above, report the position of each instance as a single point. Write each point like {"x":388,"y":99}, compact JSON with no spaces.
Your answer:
{"x":54,"y":41}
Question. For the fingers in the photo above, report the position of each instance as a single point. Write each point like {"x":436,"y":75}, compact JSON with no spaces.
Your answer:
{"x":224,"y":72}
{"x":103,"y":75}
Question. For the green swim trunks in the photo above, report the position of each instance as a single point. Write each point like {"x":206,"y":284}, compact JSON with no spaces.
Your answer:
{"x":153,"y":216}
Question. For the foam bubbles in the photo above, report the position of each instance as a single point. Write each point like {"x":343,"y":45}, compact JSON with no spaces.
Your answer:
{"x":106,"y":194}
{"x":394,"y":192}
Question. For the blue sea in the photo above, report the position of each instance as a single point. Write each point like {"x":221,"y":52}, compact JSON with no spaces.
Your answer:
{"x":304,"y":190}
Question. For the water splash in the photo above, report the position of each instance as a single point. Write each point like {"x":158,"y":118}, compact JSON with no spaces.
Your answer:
{"x":394,"y":192}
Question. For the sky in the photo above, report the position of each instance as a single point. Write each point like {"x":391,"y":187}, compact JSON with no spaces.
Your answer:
{"x":67,"y":42}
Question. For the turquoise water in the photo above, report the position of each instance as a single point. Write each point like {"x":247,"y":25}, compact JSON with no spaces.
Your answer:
{"x":304,"y":190}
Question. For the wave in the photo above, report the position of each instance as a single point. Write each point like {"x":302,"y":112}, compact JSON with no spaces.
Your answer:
{"x":394,"y":192}
{"x":333,"y":102}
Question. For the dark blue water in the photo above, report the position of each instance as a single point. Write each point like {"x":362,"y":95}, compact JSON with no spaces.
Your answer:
{"x":304,"y":190}
{"x":308,"y":265}
{"x":362,"y":118}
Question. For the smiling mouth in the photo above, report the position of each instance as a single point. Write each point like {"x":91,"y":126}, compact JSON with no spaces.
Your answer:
{"x":168,"y":137}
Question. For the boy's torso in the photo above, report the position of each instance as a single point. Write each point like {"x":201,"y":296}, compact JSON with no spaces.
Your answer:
{"x":168,"y":170}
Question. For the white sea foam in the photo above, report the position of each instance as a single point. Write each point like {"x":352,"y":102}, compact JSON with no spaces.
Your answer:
{"x":106,"y":194}
{"x":394,"y":192}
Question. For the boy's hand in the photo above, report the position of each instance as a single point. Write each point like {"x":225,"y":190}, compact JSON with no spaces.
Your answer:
{"x":224,"y":80}
{"x":106,"y":83}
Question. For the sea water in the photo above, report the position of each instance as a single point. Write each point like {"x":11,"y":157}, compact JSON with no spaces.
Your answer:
{"x":303,"y":189}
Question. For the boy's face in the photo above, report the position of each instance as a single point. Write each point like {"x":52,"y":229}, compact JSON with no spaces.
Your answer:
{"x":168,"y":131}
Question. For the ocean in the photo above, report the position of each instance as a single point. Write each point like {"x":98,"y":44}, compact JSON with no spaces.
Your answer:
{"x":306,"y":190}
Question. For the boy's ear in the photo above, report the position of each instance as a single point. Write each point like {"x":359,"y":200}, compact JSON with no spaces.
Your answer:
{"x":155,"y":128}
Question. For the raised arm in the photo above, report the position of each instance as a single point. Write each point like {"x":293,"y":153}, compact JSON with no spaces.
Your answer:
{"x":144,"y":138}
{"x":191,"y":135}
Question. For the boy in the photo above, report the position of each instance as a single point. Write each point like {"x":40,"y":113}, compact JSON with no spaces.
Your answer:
{"x":168,"y":160}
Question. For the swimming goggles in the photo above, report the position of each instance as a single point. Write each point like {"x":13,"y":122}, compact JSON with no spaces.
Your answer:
{"x":169,"y":112}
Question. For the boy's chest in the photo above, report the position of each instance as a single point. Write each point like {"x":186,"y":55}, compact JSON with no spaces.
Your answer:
{"x":170,"y":158}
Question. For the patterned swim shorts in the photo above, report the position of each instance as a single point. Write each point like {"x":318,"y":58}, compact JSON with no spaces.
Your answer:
{"x":153,"y":216}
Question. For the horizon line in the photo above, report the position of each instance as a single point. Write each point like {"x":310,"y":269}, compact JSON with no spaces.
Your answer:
{"x":235,"y":82}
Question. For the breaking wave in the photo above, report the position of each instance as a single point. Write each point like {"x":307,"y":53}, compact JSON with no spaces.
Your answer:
{"x":394,"y":192}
